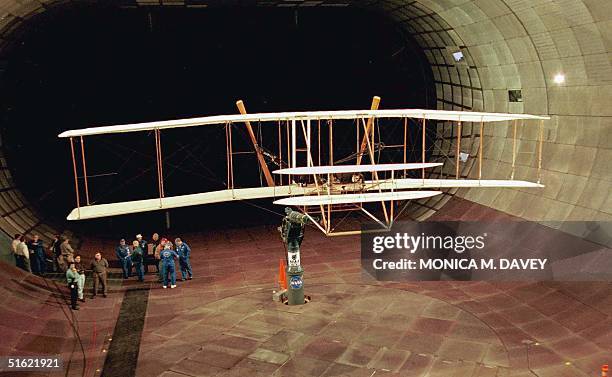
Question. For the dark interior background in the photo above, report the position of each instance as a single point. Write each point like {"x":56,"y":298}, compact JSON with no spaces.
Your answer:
{"x":85,"y":66}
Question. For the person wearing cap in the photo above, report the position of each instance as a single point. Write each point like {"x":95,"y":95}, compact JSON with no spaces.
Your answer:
{"x":138,"y":259}
{"x":72,"y":276}
{"x":141,"y":242}
{"x":167,"y":256}
{"x":123,"y":253}
{"x":184,"y":252}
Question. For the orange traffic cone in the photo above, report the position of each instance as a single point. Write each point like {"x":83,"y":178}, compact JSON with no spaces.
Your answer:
{"x":282,"y":277}
{"x":604,"y":370}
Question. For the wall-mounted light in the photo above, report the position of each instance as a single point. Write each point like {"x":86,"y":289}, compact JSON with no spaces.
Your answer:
{"x":559,"y":78}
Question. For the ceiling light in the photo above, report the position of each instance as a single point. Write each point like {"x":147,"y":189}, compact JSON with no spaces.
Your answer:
{"x":458,"y":56}
{"x":559,"y":78}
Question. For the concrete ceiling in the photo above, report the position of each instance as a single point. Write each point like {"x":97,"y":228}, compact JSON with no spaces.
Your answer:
{"x":507,"y":45}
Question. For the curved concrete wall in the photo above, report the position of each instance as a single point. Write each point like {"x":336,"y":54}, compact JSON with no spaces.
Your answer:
{"x":507,"y":44}
{"x":517,"y":44}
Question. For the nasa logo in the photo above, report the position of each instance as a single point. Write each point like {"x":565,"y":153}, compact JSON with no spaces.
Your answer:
{"x":295,"y":282}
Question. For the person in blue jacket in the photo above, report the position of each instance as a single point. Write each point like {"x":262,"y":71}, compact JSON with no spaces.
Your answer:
{"x":124,"y":255}
{"x":167,"y":256}
{"x":184,"y":252}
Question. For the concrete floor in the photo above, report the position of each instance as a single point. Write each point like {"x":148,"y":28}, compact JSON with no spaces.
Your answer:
{"x":224,"y":322}
{"x":35,"y":319}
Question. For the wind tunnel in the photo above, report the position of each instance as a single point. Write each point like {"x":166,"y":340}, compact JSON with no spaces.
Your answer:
{"x":488,"y":56}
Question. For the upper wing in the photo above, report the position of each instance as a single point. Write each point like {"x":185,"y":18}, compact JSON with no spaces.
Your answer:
{"x":460,"y":116}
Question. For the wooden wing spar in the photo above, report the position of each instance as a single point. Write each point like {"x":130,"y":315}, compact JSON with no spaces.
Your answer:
{"x":309,"y":176}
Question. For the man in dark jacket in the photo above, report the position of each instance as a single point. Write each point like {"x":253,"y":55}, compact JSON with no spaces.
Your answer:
{"x":98,"y":267}
{"x":123,"y":253}
{"x":138,"y":259}
{"x":144,"y":245}
{"x":37,"y":254}
{"x":184,"y":252}
{"x":81,"y":281}
{"x":56,"y":252}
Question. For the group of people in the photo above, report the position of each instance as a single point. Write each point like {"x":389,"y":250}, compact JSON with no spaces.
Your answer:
{"x":136,"y":256}
{"x":75,"y":276}
{"x":31,"y":256}
{"x":160,"y":253}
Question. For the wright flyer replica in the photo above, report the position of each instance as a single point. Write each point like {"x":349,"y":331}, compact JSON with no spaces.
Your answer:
{"x":307,"y":174}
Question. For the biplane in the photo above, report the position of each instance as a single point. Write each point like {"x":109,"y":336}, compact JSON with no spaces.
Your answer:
{"x":308,"y":177}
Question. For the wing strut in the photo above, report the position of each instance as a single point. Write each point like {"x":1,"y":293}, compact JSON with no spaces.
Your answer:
{"x":260,"y":157}
{"x":160,"y":166}
{"x":372,"y":160}
{"x":364,"y":143}
{"x":76,"y":179}
{"x":84,"y":170}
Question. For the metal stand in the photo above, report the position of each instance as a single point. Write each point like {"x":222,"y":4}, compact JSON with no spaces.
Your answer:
{"x":292,"y":233}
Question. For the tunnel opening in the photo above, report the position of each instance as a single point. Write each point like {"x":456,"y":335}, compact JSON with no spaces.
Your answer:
{"x":72,"y":70}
